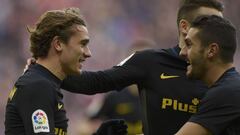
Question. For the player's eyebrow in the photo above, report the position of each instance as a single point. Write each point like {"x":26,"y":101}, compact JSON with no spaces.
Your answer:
{"x":84,"y":41}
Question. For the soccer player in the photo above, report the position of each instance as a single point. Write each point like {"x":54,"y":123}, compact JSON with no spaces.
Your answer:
{"x":210,"y":47}
{"x":167,"y":97}
{"x":59,"y":44}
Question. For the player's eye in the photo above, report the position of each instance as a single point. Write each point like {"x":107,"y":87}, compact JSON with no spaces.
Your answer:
{"x":84,"y":42}
{"x":188,"y":43}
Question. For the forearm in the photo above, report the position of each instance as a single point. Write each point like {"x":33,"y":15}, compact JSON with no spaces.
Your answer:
{"x":191,"y":128}
{"x":89,"y":83}
{"x":100,"y":82}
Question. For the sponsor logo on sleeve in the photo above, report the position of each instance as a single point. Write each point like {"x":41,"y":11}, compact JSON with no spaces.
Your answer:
{"x":40,"y":121}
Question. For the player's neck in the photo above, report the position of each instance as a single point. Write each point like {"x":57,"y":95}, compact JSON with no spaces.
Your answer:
{"x":214,"y":72}
{"x":53,"y":66}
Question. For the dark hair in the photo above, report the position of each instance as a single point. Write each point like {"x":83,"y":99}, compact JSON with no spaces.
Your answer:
{"x":188,"y":7}
{"x":50,"y":24}
{"x":215,"y":29}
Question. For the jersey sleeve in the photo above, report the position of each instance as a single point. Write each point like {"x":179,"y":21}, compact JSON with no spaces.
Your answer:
{"x":218,"y":109}
{"x":129,"y":71}
{"x":35,"y":104}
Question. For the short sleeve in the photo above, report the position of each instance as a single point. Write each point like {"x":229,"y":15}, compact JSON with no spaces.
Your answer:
{"x":218,"y":109}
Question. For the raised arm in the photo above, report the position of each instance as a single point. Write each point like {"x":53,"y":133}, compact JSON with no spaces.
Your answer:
{"x":126,"y":73}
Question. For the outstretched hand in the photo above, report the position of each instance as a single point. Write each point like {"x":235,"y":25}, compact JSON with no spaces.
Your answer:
{"x":112,"y":127}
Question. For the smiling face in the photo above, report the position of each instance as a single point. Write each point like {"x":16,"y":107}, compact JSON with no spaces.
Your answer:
{"x":195,"y":54}
{"x":75,"y":51}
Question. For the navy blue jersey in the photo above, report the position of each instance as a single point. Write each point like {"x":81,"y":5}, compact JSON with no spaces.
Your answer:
{"x":35,"y":105}
{"x":219,"y":110}
{"x":168,"y":98}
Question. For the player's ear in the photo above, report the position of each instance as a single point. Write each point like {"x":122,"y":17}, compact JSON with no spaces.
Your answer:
{"x":57,"y":44}
{"x":184,"y":26}
{"x":213,"y":50}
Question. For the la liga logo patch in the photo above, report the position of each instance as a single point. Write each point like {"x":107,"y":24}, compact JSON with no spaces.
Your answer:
{"x":40,"y":118}
{"x":40,"y":121}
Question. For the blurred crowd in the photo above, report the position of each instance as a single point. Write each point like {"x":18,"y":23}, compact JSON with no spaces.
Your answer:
{"x":113,"y":25}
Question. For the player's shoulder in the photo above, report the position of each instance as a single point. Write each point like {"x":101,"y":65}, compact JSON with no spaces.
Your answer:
{"x":230,"y":79}
{"x":148,"y":55}
{"x":169,"y":56}
{"x":138,"y":58}
{"x":33,"y":82}
{"x":31,"y":87}
{"x":227,"y":86}
{"x":151,"y":52}
{"x":170,"y":53}
{"x":32,"y":78}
